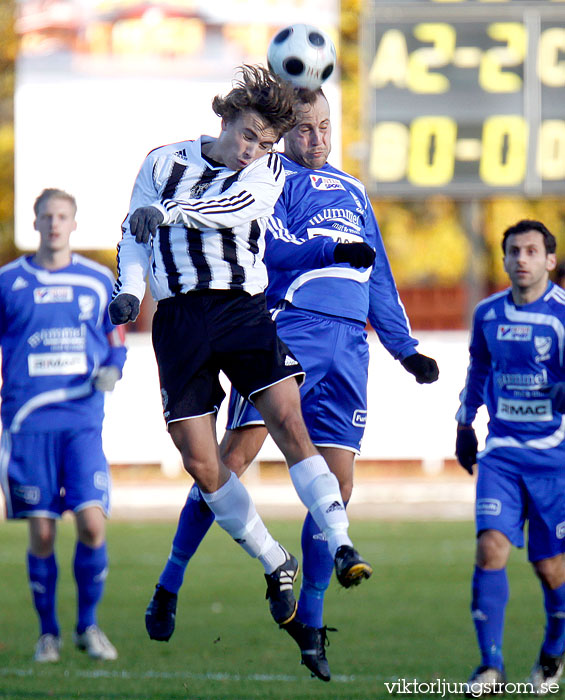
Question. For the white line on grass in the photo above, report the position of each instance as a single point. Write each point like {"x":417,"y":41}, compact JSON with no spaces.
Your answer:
{"x":169,"y":675}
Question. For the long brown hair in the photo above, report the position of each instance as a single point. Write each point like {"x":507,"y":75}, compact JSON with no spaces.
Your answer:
{"x":260,"y":91}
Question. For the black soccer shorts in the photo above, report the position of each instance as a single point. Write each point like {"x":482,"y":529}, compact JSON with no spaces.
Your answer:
{"x":195,"y":335}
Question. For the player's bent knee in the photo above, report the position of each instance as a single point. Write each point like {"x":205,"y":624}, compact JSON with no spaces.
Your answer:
{"x":41,"y":537}
{"x":292,"y":427}
{"x":551,"y":572}
{"x":493,"y":548}
{"x":236,"y":461}
{"x":42,"y":545}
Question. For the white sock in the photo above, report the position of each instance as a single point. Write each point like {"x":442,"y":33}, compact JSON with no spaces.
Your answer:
{"x":318,"y":489}
{"x":235,"y":513}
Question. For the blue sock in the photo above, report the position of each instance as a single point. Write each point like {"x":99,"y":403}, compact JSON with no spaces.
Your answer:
{"x":317,"y":569}
{"x":195,"y":520}
{"x":90,"y":568}
{"x":490,"y":595}
{"x":554,"y":640}
{"x":42,"y":576}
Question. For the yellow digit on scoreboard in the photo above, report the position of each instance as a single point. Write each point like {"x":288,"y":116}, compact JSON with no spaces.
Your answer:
{"x":443,"y":37}
{"x":504,"y":150}
{"x":389,"y":151}
{"x":431,"y":159}
{"x":551,"y":150}
{"x":492,"y":77}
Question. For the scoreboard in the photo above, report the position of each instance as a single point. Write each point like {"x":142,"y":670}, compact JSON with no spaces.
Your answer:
{"x":464,"y":98}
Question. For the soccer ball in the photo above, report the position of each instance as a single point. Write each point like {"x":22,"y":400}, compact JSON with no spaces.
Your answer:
{"x":302,"y":54}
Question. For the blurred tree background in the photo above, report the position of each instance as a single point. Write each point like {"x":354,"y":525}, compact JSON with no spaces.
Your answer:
{"x":8,"y":50}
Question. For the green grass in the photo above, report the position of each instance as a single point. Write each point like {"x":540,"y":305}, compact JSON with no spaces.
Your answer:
{"x":411,"y":620}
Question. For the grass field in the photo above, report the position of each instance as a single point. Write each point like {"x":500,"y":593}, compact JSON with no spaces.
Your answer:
{"x":409,"y":621}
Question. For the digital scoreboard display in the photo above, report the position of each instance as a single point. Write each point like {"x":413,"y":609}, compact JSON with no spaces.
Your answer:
{"x":464,"y":98}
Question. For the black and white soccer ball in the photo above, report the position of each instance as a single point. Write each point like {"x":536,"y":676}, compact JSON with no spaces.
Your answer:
{"x":302,"y":54}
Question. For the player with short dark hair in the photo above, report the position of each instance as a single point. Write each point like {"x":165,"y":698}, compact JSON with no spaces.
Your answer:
{"x":517,"y":355}
{"x":60,"y":352}
{"x":328,"y":271}
{"x":197,"y":222}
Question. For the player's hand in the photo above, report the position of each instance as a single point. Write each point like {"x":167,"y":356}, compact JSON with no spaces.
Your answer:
{"x":424,"y":368}
{"x":557,"y":395}
{"x":466,"y":447}
{"x":106,"y":378}
{"x":356,"y":254}
{"x":124,"y":308}
{"x":143,"y":223}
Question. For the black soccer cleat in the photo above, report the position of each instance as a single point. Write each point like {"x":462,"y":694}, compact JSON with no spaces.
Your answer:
{"x":312,"y":643}
{"x":547,"y":671}
{"x":350,"y":567}
{"x":485,"y":680}
{"x":160,"y":614}
{"x":280,"y":595}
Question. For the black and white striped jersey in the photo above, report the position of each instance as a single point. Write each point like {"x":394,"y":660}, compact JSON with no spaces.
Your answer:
{"x":213,"y":233}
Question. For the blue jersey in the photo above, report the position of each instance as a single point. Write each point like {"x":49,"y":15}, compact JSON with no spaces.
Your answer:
{"x":516,"y":353}
{"x":55,"y":334}
{"x":317,"y":210}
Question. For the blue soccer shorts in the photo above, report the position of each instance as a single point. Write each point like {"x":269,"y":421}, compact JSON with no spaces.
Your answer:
{"x":334,"y":353}
{"x":46,"y":473}
{"x":505,"y":500}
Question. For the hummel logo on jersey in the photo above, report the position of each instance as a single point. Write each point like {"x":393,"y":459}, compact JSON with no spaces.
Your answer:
{"x":336,"y":505}
{"x":289,"y":361}
{"x":19,"y":283}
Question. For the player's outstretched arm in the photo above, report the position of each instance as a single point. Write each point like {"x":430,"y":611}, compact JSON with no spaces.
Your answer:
{"x":424,"y":368}
{"x":466,"y":445}
{"x":124,"y":308}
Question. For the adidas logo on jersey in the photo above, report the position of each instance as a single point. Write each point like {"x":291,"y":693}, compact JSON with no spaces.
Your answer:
{"x":336,"y":505}
{"x":19,"y":283}
{"x":289,"y":361}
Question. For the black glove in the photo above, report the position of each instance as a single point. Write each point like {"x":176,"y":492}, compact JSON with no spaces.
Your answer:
{"x":124,"y":308}
{"x":557,"y":395}
{"x":424,"y":368}
{"x":466,"y":447}
{"x":356,"y":254}
{"x":143,"y":223}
